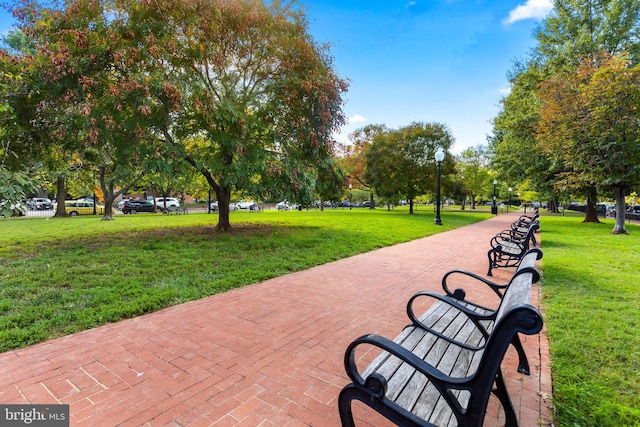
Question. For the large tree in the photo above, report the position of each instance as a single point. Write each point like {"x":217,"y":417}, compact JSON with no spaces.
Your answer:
{"x":401,"y":163}
{"x":472,"y":168}
{"x":516,"y":155}
{"x":251,"y":84}
{"x":589,"y":122}
{"x":579,"y":28}
{"x":574,"y":29}
{"x":354,"y":158}
{"x":237,"y":89}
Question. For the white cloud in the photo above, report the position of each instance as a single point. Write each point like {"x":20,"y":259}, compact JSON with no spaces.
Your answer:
{"x":535,"y":9}
{"x":357,"y":119}
{"x":505,"y":91}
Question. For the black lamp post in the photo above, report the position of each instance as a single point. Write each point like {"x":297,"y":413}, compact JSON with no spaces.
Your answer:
{"x":350,"y":199}
{"x":439,"y":159}
{"x":509,"y":202}
{"x":494,"y":208}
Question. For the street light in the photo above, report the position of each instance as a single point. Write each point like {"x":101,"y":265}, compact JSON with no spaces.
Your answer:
{"x":509,"y":202}
{"x":439,"y":159}
{"x":350,"y":201}
{"x":494,"y":208}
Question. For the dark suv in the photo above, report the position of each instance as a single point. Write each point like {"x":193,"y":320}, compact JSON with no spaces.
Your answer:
{"x":135,"y":206}
{"x":632,"y":213}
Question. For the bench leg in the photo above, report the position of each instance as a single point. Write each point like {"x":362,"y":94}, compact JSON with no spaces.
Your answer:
{"x":491,"y":262}
{"x":344,"y":407}
{"x":523,"y":362}
{"x":501,"y":393}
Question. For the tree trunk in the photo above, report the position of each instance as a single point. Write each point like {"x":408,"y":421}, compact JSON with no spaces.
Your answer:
{"x":373,"y":202}
{"x":61,"y":195}
{"x":619,"y":227}
{"x":224,"y":196}
{"x":410,"y":206}
{"x":107,"y":192}
{"x":591,"y":214}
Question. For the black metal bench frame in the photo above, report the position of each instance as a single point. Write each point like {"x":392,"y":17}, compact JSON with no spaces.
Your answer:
{"x":408,"y":382}
{"x":527,"y":265}
{"x":509,"y":246}
{"x":176,"y":210}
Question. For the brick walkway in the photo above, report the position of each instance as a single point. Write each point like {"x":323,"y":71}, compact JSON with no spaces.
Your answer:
{"x":269,"y":354}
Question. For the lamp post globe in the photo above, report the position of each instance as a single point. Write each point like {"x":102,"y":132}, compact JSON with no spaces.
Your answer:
{"x":439,"y":158}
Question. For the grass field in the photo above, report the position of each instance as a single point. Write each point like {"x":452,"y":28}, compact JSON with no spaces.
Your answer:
{"x":592,"y":311}
{"x":61,"y":276}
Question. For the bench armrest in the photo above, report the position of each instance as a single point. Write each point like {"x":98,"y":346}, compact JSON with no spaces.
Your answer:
{"x":460,"y":293}
{"x":377,"y":384}
{"x":472,"y":315}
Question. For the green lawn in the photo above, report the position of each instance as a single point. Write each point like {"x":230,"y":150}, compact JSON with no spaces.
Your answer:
{"x":61,"y":276}
{"x":592,"y":300}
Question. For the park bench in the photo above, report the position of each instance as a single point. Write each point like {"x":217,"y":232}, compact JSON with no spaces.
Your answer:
{"x":509,"y":246}
{"x":176,"y":210}
{"x":442,"y":368}
{"x":527,"y":265}
{"x":524,"y":222}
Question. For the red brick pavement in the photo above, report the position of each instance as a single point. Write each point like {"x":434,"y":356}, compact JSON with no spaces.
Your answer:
{"x":269,"y":354}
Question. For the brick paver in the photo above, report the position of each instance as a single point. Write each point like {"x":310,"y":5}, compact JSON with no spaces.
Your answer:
{"x":269,"y":354}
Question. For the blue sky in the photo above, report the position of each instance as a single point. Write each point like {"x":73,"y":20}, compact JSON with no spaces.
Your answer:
{"x":426,"y":60}
{"x":422,"y":60}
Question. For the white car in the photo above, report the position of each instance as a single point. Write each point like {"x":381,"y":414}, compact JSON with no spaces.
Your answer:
{"x":245,"y":204}
{"x":282,"y":206}
{"x":285,"y":206}
{"x":214,"y":207}
{"x":163,"y":203}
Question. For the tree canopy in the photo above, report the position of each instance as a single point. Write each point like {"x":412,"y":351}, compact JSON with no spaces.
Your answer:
{"x":239,"y":90}
{"x":589,"y":123}
{"x":401,"y":163}
{"x":535,"y":135}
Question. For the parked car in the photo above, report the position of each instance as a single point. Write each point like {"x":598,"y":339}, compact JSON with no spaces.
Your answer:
{"x":163,"y":203}
{"x":39,"y":203}
{"x":245,"y":204}
{"x":632,"y":212}
{"x":121,"y":204}
{"x":82,"y":207}
{"x":366,"y":204}
{"x":283,"y":206}
{"x":215,"y":208}
{"x":134,"y":206}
